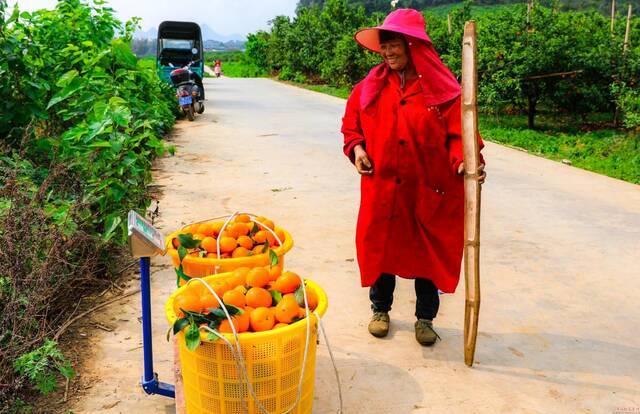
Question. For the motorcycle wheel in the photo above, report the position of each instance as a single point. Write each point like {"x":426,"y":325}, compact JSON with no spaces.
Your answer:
{"x":190,"y":114}
{"x":200,"y":107}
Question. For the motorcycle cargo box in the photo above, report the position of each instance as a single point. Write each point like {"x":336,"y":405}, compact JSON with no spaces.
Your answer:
{"x":179,"y":76}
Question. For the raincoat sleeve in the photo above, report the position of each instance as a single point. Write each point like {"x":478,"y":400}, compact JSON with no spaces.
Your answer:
{"x":351,"y":128}
{"x":452,"y":114}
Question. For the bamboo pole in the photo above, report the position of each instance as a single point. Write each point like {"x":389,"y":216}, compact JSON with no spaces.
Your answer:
{"x":627,"y":32}
{"x":449,"y":22}
{"x":472,"y":188}
{"x":613,"y":14}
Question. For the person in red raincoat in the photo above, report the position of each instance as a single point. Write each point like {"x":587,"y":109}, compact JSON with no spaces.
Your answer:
{"x":402,"y":130}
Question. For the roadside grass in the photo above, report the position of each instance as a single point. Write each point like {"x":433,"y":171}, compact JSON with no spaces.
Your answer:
{"x":326,"y":89}
{"x":242,"y":70}
{"x":610,"y":152}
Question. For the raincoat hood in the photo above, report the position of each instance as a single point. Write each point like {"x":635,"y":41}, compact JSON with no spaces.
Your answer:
{"x":438,"y":84}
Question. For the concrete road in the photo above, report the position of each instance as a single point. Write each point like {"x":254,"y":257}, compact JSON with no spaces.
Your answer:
{"x":560,"y":320}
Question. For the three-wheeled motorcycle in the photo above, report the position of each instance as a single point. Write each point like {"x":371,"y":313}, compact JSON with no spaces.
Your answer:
{"x":180,"y":62}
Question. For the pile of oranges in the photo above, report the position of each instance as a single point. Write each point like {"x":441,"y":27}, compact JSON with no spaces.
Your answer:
{"x":242,"y":237}
{"x":263,"y":298}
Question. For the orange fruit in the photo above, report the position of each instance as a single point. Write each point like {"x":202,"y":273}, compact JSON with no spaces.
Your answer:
{"x":244,"y":321}
{"x":288,"y":282}
{"x":240,"y":252}
{"x":228,"y":244}
{"x":270,"y":224}
{"x":271,"y":239}
{"x":198,"y":236}
{"x":242,"y":228}
{"x":302,"y":313}
{"x":235,"y":298}
{"x":258,"y":277}
{"x":258,"y":297}
{"x":241,"y":289}
{"x":280,"y":325}
{"x":287,"y":309}
{"x":190,"y":229}
{"x":206,"y":229}
{"x":225,"y":256}
{"x":209,"y":244}
{"x":232,"y":231}
{"x":207,"y":300}
{"x":312,"y":299}
{"x":220,"y":287}
{"x":258,"y":249}
{"x":216,"y":227}
{"x":189,"y":302}
{"x":225,"y":325}
{"x":246,"y":242}
{"x":239,"y":276}
{"x":260,"y":237}
{"x":281,"y":235}
{"x":262,"y":319}
{"x":275,"y":272}
{"x":212,"y":255}
{"x":243,"y":218}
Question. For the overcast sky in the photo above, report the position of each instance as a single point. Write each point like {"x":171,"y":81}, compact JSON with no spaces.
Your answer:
{"x":223,"y":16}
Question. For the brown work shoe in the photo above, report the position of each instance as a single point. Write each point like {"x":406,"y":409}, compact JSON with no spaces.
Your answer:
{"x":425,"y":335}
{"x":379,"y":325}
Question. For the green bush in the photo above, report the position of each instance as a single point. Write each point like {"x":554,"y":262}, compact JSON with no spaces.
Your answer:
{"x":520,"y":56}
{"x":81,"y":121}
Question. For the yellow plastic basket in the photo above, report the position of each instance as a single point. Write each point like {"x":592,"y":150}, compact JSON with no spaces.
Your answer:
{"x":202,"y":266}
{"x":273,"y":359}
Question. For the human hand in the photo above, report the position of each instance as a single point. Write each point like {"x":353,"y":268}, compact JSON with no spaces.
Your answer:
{"x":362,"y":162}
{"x":482,"y":175}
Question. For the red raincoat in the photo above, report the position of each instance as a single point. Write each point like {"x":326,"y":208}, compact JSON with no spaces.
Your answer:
{"x":411,"y":208}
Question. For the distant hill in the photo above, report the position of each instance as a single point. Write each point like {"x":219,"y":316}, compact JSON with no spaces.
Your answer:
{"x":385,"y":5}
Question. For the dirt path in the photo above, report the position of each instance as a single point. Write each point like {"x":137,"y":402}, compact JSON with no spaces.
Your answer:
{"x":559,"y":324}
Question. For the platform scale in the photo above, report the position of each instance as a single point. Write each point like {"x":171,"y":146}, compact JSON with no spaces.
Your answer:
{"x":145,"y":242}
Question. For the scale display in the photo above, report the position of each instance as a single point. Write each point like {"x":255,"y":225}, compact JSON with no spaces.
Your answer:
{"x":144,"y":239}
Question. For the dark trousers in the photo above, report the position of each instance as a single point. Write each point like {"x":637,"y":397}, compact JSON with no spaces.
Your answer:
{"x":427,"y":299}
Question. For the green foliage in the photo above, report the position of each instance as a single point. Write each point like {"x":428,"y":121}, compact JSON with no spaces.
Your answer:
{"x":446,"y":5}
{"x":520,"y":55}
{"x":628,"y":100}
{"x":78,"y":98}
{"x":81,"y":121}
{"x":42,"y":365}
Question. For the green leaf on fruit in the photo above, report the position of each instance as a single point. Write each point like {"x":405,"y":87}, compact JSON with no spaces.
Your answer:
{"x":182,"y":252}
{"x":192,"y":336}
{"x":274,"y":258}
{"x":179,"y":325}
{"x":188,"y":241}
{"x":300,"y":296}
{"x":276,"y":296}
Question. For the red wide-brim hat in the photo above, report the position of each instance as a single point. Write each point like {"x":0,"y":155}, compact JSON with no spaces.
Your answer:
{"x":408,"y":22}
